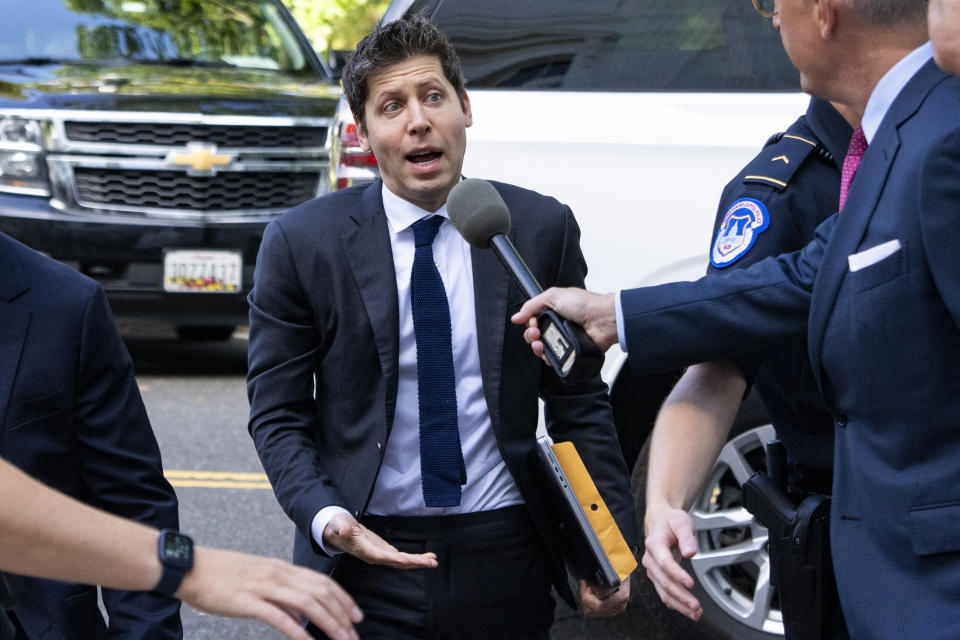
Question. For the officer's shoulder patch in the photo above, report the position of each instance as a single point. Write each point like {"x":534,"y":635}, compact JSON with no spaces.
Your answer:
{"x":779,"y":160}
{"x":742,"y":223}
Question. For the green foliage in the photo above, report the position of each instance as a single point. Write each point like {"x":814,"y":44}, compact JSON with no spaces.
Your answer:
{"x":336,"y":24}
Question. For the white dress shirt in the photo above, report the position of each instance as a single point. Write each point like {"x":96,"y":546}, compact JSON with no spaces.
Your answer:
{"x":398,"y":489}
{"x":882,"y":96}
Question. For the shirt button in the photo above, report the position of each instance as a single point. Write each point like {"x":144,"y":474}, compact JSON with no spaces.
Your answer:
{"x":841,"y":419}
{"x":379,"y":446}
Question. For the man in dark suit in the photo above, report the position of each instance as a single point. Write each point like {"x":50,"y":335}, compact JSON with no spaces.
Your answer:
{"x":878,"y":294}
{"x":71,"y":416}
{"x":352,"y":386}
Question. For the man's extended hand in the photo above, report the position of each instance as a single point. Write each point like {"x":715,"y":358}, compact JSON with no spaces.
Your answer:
{"x":345,"y":533}
{"x":671,"y":532}
{"x":227,"y":583}
{"x":595,"y":312}
{"x":613,"y":604}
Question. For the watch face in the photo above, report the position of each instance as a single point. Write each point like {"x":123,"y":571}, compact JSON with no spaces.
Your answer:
{"x":177,"y":549}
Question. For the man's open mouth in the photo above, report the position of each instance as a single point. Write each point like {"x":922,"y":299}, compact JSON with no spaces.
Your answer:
{"x":423,"y":157}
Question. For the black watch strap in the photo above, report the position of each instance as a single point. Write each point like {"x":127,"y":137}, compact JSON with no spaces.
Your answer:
{"x":175,"y":551}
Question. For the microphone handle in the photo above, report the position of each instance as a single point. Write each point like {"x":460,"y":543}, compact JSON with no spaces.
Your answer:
{"x":515,"y":265}
{"x":568,"y":349}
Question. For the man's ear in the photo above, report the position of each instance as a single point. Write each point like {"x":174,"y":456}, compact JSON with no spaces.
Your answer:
{"x":467,"y":111}
{"x":826,"y":14}
{"x":362,"y":137}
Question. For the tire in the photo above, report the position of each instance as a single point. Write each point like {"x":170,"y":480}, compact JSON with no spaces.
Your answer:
{"x":204,"y":333}
{"x":731,"y":569}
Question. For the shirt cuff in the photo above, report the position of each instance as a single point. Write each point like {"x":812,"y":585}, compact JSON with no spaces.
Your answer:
{"x":320,"y":522}
{"x":621,"y":337}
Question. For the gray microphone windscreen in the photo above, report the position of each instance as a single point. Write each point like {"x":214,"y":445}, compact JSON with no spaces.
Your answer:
{"x":478,"y":212}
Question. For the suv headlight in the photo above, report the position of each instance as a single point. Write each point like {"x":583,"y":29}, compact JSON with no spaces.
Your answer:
{"x":22,"y":168}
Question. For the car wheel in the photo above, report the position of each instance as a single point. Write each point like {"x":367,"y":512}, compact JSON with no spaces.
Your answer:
{"x":205,"y":333}
{"x":731,"y":569}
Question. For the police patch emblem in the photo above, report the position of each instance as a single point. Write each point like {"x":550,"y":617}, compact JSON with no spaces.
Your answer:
{"x":741,"y":225}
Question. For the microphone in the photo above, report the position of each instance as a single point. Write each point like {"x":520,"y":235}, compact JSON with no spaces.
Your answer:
{"x":481,"y":216}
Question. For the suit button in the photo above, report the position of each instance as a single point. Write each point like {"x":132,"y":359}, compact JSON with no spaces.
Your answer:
{"x":841,"y":419}
{"x":379,"y":446}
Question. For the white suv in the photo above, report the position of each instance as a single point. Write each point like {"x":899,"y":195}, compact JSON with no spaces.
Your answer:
{"x":635,"y":113}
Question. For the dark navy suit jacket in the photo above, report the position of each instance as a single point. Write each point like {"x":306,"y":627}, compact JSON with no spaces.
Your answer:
{"x":884,"y":343}
{"x":71,"y":415}
{"x":324,"y":308}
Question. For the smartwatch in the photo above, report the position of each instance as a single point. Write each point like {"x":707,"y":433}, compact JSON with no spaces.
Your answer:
{"x":175,"y":551}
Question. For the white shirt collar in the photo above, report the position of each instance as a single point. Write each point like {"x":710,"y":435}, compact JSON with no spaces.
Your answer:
{"x":403,"y":213}
{"x":890,"y":86}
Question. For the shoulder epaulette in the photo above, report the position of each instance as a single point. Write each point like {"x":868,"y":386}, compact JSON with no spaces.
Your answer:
{"x":782,"y":156}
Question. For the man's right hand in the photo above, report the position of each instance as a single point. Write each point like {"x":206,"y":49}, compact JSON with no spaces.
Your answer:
{"x":346,"y":534}
{"x":670,"y":532}
{"x":595,"y":312}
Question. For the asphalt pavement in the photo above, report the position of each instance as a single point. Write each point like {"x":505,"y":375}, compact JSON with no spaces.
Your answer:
{"x":195,"y":395}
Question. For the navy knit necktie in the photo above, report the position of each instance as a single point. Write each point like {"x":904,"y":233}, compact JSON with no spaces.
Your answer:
{"x":441,"y":460}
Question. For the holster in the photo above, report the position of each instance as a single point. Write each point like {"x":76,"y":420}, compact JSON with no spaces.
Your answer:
{"x":799,"y":544}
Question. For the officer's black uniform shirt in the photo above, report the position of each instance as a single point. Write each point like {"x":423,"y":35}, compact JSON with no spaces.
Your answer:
{"x":773,"y":206}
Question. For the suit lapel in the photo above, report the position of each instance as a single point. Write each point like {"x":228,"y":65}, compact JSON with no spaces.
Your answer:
{"x":14,"y":319}
{"x":490,"y":285}
{"x":864,"y":194}
{"x":370,"y":258}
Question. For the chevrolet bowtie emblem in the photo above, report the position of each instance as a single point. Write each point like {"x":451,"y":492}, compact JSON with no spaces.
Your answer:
{"x":200,"y":157}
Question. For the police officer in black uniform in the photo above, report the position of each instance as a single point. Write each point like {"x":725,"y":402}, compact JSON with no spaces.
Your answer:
{"x":773,"y":206}
{"x":796,"y":181}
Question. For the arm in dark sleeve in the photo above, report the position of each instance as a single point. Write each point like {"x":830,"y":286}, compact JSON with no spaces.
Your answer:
{"x":121,"y":463}
{"x":581,"y":412}
{"x":281,"y":355}
{"x":940,"y":219}
{"x":682,"y":323}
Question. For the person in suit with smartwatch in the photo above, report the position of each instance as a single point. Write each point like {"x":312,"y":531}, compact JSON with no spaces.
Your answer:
{"x":392,"y":402}
{"x":71,"y":416}
{"x":49,"y":535}
{"x":877,"y":293}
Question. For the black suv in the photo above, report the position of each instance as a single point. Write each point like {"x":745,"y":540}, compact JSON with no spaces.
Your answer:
{"x":147,"y":143}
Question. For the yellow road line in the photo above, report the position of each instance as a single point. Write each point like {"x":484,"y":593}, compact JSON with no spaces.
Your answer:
{"x":217,"y":479}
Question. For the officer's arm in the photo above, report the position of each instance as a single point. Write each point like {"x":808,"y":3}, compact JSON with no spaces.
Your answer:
{"x":690,"y":431}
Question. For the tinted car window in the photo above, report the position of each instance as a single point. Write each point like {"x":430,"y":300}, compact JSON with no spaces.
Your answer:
{"x":241,"y":33}
{"x":614,"y":45}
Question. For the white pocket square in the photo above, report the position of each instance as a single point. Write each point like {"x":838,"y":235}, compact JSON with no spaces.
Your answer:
{"x":873,"y":255}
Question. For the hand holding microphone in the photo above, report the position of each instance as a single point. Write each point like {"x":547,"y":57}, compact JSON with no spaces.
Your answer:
{"x":482,"y":218}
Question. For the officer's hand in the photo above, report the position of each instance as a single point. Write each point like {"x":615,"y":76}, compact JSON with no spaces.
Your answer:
{"x":595,"y":312}
{"x":669,"y":534}
{"x":345,"y":533}
{"x":595,"y":607}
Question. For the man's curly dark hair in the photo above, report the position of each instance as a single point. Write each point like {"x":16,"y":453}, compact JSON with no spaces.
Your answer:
{"x":390,"y":44}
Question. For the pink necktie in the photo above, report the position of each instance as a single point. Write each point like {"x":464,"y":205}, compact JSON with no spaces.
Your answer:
{"x":858,"y":145}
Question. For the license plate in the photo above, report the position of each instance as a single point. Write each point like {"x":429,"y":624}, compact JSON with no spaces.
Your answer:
{"x":199,"y":271}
